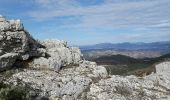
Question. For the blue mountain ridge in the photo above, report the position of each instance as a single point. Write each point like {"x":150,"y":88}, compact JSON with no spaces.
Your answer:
{"x":165,"y":45}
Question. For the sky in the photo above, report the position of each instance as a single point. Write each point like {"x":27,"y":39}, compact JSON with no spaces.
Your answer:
{"x":85,"y":22}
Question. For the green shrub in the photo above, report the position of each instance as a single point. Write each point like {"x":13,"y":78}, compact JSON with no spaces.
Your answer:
{"x":8,"y":92}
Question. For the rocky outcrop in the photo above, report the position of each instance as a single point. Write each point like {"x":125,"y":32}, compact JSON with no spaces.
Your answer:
{"x":59,"y":55}
{"x":10,"y":25}
{"x":50,"y":54}
{"x":68,"y":84}
{"x":91,"y":82}
{"x":44,"y":59}
{"x":15,"y":40}
{"x":152,"y":87}
{"x":59,"y":72}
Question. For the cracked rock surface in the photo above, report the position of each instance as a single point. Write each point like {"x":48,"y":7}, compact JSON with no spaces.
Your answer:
{"x":152,"y":87}
{"x":15,"y":40}
{"x":59,"y":72}
{"x":67,"y":84}
{"x":59,"y":55}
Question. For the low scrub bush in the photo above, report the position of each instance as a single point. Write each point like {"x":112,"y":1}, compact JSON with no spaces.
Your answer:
{"x":8,"y":92}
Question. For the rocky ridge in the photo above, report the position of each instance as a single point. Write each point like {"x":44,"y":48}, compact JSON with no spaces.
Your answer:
{"x":16,"y":43}
{"x":59,"y":72}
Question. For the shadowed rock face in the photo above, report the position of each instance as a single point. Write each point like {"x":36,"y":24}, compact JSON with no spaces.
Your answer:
{"x":14,"y":39}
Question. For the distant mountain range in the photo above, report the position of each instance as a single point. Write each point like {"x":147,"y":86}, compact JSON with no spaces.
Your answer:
{"x":165,"y":45}
{"x":122,"y":65}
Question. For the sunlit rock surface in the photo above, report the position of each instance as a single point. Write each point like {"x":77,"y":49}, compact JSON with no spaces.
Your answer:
{"x":152,"y":87}
{"x":59,"y":72}
{"x":91,"y":82}
{"x":69,"y":83}
{"x":50,"y":54}
{"x":58,"y":55}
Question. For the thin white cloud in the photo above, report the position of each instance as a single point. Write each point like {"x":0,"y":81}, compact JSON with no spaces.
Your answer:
{"x":162,"y":24}
{"x":111,"y":13}
{"x":140,"y":37}
{"x":150,"y":19}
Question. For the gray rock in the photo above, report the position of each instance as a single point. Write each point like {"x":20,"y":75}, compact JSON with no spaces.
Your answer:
{"x":61,"y":74}
{"x":53,"y":43}
{"x":67,"y":84}
{"x":163,"y":67}
{"x":13,"y":25}
{"x":59,"y":55}
{"x":153,"y":87}
{"x":14,"y":39}
{"x":7,"y":60}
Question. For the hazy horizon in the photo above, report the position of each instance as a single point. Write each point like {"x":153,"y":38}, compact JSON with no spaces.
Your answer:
{"x":121,"y":43}
{"x":88,"y":22}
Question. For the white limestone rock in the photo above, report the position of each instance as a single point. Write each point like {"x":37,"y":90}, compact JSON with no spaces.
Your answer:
{"x":76,"y":55}
{"x":155,"y":86}
{"x":14,"y":39}
{"x":100,"y":71}
{"x":59,"y":55}
{"x":61,"y":73}
{"x":53,"y":43}
{"x":163,"y":67}
{"x":14,"y":25}
{"x":67,"y":84}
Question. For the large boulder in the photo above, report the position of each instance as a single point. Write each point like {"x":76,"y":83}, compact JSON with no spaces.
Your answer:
{"x":15,"y":39}
{"x":59,"y":55}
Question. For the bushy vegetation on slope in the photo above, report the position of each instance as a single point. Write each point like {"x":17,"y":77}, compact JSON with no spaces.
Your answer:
{"x":8,"y":92}
{"x":124,"y":65}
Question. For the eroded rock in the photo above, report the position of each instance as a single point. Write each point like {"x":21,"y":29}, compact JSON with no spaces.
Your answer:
{"x":14,"y":39}
{"x":59,"y":55}
{"x":153,"y":87}
{"x":91,"y":82}
{"x":59,"y":72}
{"x":67,"y":83}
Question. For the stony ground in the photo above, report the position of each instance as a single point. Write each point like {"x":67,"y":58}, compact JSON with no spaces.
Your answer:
{"x":58,"y":72}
